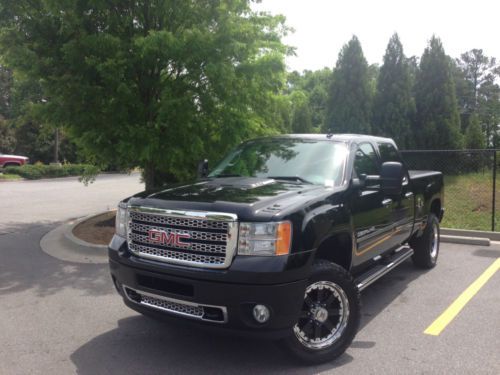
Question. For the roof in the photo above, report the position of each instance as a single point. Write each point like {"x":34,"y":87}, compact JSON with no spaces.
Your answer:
{"x":337,"y":137}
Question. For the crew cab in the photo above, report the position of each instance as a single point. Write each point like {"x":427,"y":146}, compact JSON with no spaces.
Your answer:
{"x":12,"y":160}
{"x":279,"y":239}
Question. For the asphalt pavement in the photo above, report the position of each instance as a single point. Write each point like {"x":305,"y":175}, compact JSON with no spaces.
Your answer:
{"x":61,"y":317}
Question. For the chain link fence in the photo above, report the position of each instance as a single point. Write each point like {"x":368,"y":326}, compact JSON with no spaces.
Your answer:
{"x":471,"y":189}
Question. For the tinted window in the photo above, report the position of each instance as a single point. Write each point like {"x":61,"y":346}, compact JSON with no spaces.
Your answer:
{"x":365,"y":161}
{"x":388,"y":152}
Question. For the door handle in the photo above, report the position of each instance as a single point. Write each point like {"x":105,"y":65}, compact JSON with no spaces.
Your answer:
{"x":386,"y":202}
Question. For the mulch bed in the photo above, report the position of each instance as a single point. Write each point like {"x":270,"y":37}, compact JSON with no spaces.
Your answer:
{"x":97,"y":230}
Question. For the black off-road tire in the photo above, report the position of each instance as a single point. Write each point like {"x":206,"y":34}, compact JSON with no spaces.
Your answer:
{"x":426,"y":247}
{"x":327,"y":279}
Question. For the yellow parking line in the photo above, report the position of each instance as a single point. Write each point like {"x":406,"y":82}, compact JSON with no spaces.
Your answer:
{"x":452,"y":311}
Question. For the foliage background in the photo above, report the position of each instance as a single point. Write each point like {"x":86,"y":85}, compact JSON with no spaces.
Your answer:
{"x":163,"y":84}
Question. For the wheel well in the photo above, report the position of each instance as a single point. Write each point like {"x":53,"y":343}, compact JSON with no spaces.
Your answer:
{"x":11,"y":164}
{"x":336,"y":249}
{"x":436,"y":207}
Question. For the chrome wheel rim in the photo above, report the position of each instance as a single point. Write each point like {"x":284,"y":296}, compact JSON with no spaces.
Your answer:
{"x":434,"y":241}
{"x":324,"y":315}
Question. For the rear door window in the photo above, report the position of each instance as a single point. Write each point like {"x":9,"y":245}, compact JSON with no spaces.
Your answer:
{"x":388,"y":152}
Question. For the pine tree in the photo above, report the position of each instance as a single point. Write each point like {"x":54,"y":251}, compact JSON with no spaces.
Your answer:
{"x":478,"y":90}
{"x":349,"y":103}
{"x":394,"y":105}
{"x":474,"y":137}
{"x":438,"y":120}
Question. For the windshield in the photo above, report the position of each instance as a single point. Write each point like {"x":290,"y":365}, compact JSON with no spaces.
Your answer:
{"x":315,"y":161}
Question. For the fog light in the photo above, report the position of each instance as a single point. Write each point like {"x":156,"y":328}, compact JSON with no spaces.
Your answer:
{"x":261,"y":313}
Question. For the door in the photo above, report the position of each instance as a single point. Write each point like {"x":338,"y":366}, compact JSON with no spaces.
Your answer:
{"x":371,"y":211}
{"x":402,"y":207}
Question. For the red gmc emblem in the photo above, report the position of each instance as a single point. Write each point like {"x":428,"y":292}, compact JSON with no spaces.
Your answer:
{"x":167,"y":238}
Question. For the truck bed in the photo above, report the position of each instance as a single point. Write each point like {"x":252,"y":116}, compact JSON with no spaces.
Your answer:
{"x":416,"y":174}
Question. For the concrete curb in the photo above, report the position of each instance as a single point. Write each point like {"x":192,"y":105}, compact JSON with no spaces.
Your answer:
{"x":60,"y":243}
{"x":477,"y":241}
{"x":493,"y":236}
{"x":68,"y":233}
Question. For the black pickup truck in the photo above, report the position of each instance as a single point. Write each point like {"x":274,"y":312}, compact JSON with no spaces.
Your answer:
{"x":278,"y":239}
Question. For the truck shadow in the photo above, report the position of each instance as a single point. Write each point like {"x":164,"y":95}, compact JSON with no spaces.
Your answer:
{"x":384,"y":291}
{"x":140,"y":345}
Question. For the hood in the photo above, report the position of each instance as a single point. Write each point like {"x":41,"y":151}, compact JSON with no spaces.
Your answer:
{"x":248,"y":197}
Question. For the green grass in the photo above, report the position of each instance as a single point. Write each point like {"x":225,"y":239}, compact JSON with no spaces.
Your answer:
{"x":9,"y":177}
{"x":468,"y":201}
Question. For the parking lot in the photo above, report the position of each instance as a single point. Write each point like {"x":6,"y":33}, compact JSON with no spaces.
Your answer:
{"x":60,"y":318}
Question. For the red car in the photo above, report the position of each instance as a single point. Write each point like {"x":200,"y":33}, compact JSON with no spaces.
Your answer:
{"x":12,"y":160}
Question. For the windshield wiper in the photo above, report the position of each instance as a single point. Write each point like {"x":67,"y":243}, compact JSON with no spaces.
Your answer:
{"x":291,"y":178}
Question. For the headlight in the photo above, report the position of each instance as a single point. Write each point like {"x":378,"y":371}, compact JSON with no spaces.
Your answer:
{"x":121,"y":220}
{"x":265,"y":238}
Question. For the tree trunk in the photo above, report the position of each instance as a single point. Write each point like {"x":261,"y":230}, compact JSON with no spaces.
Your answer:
{"x":149,"y":176}
{"x":155,"y":178}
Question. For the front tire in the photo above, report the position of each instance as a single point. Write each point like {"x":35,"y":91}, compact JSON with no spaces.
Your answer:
{"x":426,"y":247}
{"x":330,"y":315}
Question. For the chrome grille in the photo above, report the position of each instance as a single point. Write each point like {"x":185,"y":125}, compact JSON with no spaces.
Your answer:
{"x":157,"y":217}
{"x":209,"y":238}
{"x":172,"y":306}
{"x":195,"y":235}
{"x":217,"y":314}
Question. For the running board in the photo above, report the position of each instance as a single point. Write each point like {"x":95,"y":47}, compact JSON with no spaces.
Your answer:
{"x":369,"y":277}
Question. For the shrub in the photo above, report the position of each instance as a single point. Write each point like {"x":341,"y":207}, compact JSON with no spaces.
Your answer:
{"x":37,"y":171}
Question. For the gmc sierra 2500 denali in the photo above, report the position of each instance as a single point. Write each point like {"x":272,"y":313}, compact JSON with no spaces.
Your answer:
{"x":279,"y":239}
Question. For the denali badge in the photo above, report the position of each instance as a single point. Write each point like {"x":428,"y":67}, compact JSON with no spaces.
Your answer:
{"x":167,"y":238}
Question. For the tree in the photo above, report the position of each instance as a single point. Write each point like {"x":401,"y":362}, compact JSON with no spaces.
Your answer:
{"x":478,"y":92}
{"x":349,"y":102}
{"x":301,"y":115}
{"x":156,"y":84}
{"x":6,"y":81}
{"x":7,"y":137}
{"x":394,"y":105}
{"x":308,"y":93}
{"x":438,"y":121}
{"x":478,"y":70}
{"x":316,"y":84}
{"x":474,"y":137}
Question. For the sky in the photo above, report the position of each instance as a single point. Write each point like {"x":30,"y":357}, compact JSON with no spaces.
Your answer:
{"x":322,"y":27}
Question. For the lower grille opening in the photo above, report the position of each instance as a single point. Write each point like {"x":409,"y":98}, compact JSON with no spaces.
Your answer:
{"x":167,"y":286}
{"x":213,"y":313}
{"x":217,"y":314}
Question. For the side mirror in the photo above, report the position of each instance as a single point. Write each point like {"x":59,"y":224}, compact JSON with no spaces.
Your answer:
{"x":391,"y":178}
{"x":203,"y":169}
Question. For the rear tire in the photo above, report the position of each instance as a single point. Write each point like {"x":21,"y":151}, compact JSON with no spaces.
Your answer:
{"x":426,"y":247}
{"x":330,"y":315}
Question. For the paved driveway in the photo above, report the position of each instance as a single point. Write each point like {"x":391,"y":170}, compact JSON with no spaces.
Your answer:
{"x":62,"y":318}
{"x":48,"y":201}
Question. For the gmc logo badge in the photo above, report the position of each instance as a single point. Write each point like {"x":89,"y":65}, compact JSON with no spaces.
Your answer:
{"x":161,"y":237}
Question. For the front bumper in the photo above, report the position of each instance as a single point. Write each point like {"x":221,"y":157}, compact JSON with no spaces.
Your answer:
{"x":210,"y":299}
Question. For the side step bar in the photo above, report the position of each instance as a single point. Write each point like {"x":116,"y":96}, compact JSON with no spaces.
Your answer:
{"x":369,"y":277}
